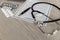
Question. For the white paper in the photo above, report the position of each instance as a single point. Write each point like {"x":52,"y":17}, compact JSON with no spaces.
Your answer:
{"x":27,"y":16}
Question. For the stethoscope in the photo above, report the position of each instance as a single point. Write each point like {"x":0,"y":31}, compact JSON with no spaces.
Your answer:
{"x":33,"y":16}
{"x":41,"y":12}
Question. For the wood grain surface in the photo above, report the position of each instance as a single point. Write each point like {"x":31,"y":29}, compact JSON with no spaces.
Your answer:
{"x":14,"y":29}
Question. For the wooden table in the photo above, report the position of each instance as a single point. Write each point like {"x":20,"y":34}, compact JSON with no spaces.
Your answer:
{"x":13,"y":29}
